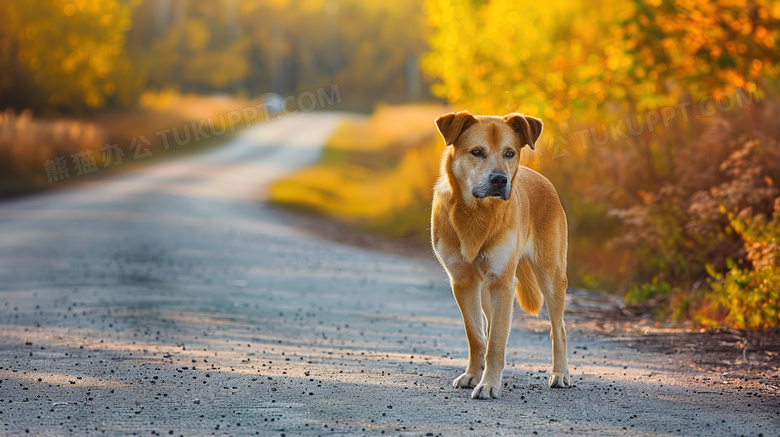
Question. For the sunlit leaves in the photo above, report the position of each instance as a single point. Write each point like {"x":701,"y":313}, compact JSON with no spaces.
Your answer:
{"x":63,"y":51}
{"x":587,"y":64}
{"x":546,"y":57}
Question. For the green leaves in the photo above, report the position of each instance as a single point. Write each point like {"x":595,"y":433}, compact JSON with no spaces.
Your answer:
{"x":750,"y":293}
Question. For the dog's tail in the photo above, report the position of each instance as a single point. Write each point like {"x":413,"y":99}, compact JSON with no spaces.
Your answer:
{"x":529,"y":296}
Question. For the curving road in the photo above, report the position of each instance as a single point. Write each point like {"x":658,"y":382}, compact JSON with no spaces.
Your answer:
{"x":171,"y":301}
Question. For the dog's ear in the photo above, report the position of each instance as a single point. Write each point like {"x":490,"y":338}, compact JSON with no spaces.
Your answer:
{"x":453,"y":123}
{"x":528,"y":127}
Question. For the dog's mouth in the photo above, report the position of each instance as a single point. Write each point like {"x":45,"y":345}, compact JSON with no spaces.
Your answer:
{"x":499,"y":193}
{"x":495,"y":184}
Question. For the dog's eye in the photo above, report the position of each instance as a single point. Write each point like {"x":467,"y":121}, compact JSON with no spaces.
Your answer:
{"x":476,"y":152}
{"x":509,"y":153}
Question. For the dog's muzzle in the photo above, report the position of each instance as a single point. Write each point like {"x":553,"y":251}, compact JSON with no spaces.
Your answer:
{"x":495,"y":185}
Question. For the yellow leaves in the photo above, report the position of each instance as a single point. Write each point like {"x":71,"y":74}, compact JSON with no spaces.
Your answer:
{"x":715,"y":53}
{"x":484,"y":68}
{"x":736,"y":79}
{"x":555,"y":81}
{"x":513,"y":18}
{"x":83,"y":6}
{"x":93,"y":99}
{"x":653,"y":75}
{"x":197,"y":35}
{"x":529,"y":65}
{"x":575,"y":47}
{"x":524,"y":54}
{"x":106,"y":19}
{"x":574,"y":55}
{"x":69,"y":47}
{"x":622,"y":61}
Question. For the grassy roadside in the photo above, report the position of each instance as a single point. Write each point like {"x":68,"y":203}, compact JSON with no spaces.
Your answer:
{"x":375,"y":174}
{"x":42,"y":154}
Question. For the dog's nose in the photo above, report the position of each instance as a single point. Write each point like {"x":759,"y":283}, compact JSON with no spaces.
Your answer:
{"x":498,"y":180}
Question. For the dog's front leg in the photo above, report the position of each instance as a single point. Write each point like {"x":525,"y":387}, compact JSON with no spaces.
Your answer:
{"x":467,"y":294}
{"x":501,"y":300}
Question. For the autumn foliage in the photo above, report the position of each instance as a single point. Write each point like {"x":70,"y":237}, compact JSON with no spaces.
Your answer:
{"x":695,"y":190}
{"x":125,"y":68}
{"x":77,"y":56}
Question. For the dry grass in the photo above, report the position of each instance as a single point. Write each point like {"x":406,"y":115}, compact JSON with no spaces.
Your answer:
{"x":27,"y":143}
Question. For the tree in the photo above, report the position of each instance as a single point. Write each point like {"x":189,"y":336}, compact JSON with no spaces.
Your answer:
{"x":568,"y":59}
{"x":60,"y":55}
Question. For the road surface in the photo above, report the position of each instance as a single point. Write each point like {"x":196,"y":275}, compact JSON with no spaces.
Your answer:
{"x":171,"y":301}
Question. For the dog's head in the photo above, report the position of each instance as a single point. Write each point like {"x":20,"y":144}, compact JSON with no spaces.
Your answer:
{"x":486,"y":150}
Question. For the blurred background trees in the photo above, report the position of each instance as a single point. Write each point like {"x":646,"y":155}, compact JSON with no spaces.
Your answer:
{"x":73,"y":56}
{"x":60,"y":56}
{"x":119,"y":69}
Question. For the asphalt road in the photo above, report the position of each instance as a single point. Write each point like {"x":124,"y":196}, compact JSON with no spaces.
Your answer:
{"x":170,"y":301}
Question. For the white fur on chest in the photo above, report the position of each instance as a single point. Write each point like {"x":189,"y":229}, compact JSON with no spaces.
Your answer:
{"x":498,"y":257}
{"x":493,"y":261}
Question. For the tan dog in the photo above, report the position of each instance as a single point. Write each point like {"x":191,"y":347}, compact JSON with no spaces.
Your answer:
{"x":498,"y":226}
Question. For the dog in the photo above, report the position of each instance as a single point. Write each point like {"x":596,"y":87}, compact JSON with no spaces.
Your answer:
{"x":497,"y":226}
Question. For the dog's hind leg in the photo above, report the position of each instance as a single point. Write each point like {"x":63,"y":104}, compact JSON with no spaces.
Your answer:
{"x":553,"y":287}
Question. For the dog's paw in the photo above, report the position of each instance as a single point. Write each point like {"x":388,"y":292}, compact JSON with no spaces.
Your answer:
{"x":560,"y":380}
{"x":466,"y":380}
{"x":486,"y":391}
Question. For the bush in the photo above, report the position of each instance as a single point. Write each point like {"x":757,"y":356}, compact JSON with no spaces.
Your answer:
{"x":688,"y":222}
{"x":643,"y":293}
{"x":749,"y":291}
{"x":702,"y":222}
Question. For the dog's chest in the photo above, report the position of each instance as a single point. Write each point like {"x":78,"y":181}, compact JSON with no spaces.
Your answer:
{"x":492,"y":259}
{"x":495,"y":259}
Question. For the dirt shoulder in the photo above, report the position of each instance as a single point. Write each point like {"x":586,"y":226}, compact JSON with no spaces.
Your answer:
{"x":740,"y":354}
